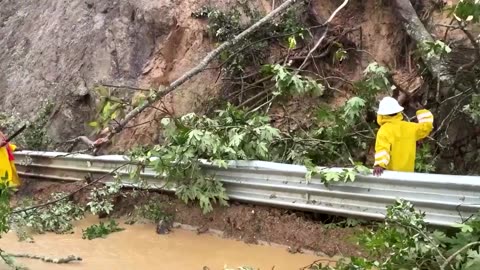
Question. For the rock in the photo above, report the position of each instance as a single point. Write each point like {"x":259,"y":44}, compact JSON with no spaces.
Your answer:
{"x":294,"y":249}
{"x":202,"y":229}
{"x":102,"y":215}
{"x":57,"y":51}
{"x":130,"y":221}
{"x":164,"y":226}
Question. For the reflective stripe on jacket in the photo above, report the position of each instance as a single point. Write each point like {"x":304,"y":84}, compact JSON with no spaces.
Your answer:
{"x":395,"y":147}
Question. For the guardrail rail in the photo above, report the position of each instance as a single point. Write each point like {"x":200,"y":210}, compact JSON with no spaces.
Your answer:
{"x":446,"y":199}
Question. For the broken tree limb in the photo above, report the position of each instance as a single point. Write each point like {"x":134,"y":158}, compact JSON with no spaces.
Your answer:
{"x":199,"y":68}
{"x":417,"y":31}
{"x":83,"y":139}
{"x":65,"y":197}
{"x":324,"y":33}
{"x":67,"y":259}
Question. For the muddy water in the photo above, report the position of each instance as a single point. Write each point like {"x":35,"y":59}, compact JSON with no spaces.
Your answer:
{"x":139,"y":247}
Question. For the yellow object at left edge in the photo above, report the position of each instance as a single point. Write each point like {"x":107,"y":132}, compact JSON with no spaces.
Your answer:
{"x":7,"y":167}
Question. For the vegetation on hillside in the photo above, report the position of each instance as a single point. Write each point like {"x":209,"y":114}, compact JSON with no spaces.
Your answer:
{"x":263,"y":71}
{"x":404,"y":241}
{"x":35,"y":136}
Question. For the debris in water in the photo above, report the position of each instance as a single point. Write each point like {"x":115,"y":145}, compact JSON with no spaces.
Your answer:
{"x":67,"y":259}
{"x":164,"y":226}
{"x":202,"y":229}
{"x":294,"y":249}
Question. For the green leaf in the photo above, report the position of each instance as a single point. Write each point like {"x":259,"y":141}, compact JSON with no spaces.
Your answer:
{"x":375,"y":69}
{"x":292,"y":42}
{"x":473,"y":260}
{"x":331,"y":176}
{"x":262,"y":150}
{"x":236,"y":140}
{"x":340,"y":55}
{"x":93,"y":124}
{"x":196,"y":136}
{"x":220,"y":163}
{"x":463,"y":227}
{"x":350,"y":175}
{"x":353,"y":108}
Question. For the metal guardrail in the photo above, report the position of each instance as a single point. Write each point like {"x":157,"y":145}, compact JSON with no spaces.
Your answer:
{"x":446,"y":199}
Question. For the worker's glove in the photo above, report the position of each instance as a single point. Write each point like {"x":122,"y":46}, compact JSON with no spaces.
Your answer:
{"x":378,"y":171}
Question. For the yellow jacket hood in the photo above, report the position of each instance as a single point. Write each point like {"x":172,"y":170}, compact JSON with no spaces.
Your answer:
{"x":383,"y":119}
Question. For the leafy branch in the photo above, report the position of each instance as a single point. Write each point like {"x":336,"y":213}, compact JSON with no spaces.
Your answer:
{"x":405,"y":242}
{"x":101,"y":230}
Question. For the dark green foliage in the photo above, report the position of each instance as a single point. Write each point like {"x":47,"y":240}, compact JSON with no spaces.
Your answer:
{"x":405,"y":242}
{"x":425,"y":160}
{"x":253,"y":51}
{"x":34,"y":137}
{"x":288,"y":83}
{"x":101,"y":230}
{"x":466,"y":11}
{"x":56,"y":217}
{"x":232,"y":134}
{"x":340,"y":134}
{"x":154,"y":211}
{"x":5,"y":209}
{"x":473,"y":109}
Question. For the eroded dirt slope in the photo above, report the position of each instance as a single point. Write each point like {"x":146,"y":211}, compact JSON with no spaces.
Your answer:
{"x":57,"y":50}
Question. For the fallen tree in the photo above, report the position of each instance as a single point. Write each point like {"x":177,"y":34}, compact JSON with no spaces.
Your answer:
{"x":118,"y":127}
{"x":417,"y":31}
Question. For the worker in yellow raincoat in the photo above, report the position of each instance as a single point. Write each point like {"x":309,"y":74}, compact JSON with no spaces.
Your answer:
{"x":395,"y":147}
{"x":7,"y":165}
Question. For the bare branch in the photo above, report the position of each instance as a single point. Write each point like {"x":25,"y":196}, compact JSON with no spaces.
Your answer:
{"x":324,"y":33}
{"x":449,"y":259}
{"x":126,"y":87}
{"x":83,"y":139}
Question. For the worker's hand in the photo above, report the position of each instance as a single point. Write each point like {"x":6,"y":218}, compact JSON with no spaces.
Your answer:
{"x":3,"y":142}
{"x":378,"y":171}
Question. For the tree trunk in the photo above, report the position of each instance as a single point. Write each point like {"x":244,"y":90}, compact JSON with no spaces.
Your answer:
{"x":417,"y":31}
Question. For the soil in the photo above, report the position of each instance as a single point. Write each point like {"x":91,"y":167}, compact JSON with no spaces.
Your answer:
{"x":250,"y":223}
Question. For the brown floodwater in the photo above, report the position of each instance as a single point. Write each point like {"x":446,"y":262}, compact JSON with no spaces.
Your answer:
{"x":139,"y":247}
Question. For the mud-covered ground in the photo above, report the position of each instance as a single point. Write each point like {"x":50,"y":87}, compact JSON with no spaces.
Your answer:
{"x":250,"y":223}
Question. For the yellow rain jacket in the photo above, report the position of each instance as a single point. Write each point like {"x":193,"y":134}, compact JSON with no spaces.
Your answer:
{"x":395,"y":148}
{"x":7,"y":165}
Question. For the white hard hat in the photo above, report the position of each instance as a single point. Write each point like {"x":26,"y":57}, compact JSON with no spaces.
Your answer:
{"x":389,"y":105}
